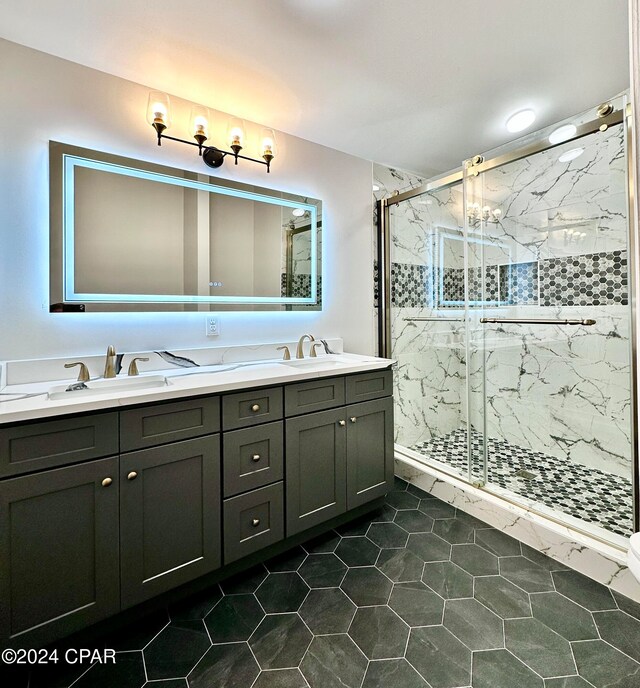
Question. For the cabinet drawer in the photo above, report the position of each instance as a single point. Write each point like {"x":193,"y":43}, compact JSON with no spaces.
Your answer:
{"x":153,"y":425}
{"x":367,"y":386}
{"x":252,"y":521}
{"x":34,"y":446}
{"x":250,"y":408}
{"x":252,"y":457}
{"x":316,"y":395}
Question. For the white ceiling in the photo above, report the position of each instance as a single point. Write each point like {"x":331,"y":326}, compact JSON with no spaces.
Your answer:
{"x":417,"y":84}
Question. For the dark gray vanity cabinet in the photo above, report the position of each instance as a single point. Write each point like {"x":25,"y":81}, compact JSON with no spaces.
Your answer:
{"x":59,"y":552}
{"x":170,"y":519}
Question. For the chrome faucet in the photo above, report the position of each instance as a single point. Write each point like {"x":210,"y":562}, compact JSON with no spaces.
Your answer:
{"x":110,"y":362}
{"x":299,"y":349}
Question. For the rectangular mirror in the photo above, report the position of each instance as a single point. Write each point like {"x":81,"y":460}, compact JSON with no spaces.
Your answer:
{"x":128,"y":235}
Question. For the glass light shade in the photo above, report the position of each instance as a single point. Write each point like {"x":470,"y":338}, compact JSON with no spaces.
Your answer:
{"x":268,"y":143}
{"x":236,"y":132}
{"x":200,"y":119}
{"x":159,"y":109}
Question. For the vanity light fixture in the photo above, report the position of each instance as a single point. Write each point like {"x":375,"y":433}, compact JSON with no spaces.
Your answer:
{"x":159,"y":117}
{"x":520,"y":120}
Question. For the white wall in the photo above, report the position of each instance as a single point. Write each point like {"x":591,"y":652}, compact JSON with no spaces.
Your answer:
{"x":48,"y":98}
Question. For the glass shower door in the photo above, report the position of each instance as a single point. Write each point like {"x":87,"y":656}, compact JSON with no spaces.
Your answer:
{"x":550,"y":364}
{"x":427,"y":248}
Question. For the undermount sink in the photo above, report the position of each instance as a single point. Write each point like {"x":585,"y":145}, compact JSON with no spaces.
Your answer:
{"x":106,"y":386}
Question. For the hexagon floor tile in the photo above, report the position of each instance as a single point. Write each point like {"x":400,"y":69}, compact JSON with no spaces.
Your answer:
{"x":415,"y":594}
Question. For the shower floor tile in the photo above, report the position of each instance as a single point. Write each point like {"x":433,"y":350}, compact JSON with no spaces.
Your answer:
{"x":589,"y":494}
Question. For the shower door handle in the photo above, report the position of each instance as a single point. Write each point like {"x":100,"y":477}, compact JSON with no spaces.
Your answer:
{"x":539,"y":321}
{"x":433,"y":319}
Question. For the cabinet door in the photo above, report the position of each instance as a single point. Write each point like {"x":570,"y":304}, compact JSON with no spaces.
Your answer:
{"x":170,"y":516}
{"x":58,"y":552}
{"x":369,"y":450}
{"x":315,"y":469}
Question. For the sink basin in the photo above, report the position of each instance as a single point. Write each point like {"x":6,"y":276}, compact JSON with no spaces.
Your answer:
{"x":314,"y":363}
{"x":109,"y":386}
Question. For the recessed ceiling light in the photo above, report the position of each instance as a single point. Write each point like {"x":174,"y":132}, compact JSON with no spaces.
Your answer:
{"x":521,"y":120}
{"x":376,"y":187}
{"x":563,"y":133}
{"x":571,"y":155}
{"x":298,"y":212}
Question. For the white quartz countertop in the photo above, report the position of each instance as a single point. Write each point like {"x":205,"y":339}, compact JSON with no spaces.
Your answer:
{"x":23,"y":402}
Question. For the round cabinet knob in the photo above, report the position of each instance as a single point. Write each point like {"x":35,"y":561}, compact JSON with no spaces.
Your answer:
{"x":255,"y":523}
{"x":106,"y":482}
{"x":342,"y":423}
{"x":255,"y":457}
{"x":255,"y":407}
{"x":132,"y":476}
{"x":353,"y":419}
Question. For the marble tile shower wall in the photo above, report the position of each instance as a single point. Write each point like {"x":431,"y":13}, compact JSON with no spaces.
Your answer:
{"x":563,"y":391}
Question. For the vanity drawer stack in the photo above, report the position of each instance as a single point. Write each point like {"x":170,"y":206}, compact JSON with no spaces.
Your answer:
{"x":102,"y":511}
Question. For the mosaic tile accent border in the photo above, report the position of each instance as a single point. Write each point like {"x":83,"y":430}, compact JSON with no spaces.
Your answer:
{"x":596,"y":279}
{"x":586,"y":493}
{"x":300,"y":286}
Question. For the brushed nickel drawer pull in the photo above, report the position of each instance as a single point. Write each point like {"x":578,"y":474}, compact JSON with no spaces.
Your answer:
{"x":255,"y":523}
{"x":255,"y":407}
{"x":132,"y":476}
{"x":255,"y":457}
{"x":106,"y":482}
{"x":342,"y":423}
{"x":353,"y":419}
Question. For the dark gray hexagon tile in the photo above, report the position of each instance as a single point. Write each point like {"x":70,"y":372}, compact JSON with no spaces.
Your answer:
{"x":454,"y":530}
{"x":358,"y":526}
{"x":287,"y":561}
{"x":542,"y":559}
{"x":393,"y":673}
{"x":567,"y":682}
{"x":500,"y":669}
{"x":139,"y":633}
{"x":282,"y":592}
{"x":280,"y":678}
{"x":620,"y":630}
{"x":441,"y":659}
{"x":400,"y":565}
{"x":399,"y":483}
{"x":280,"y":641}
{"x":327,"y":610}
{"x":234,"y":618}
{"x":627,"y":605}
{"x":604,"y":666}
{"x":525,"y":574}
{"x":60,"y":675}
{"x":497,"y":542}
{"x":387,"y":535}
{"x":245,"y":582}
{"x":383,"y":514}
{"x":366,"y":586}
{"x":401,"y":500}
{"x":429,"y":547}
{"x":171,"y":683}
{"x":327,"y":542}
{"x":357,"y":551}
{"x":127,"y":672}
{"x":448,"y":579}
{"x":474,"y":560}
{"x":544,"y":651}
{"x":502,"y":597}
{"x":585,"y":591}
{"x":196,"y":606}
{"x":334,"y":661}
{"x":418,"y":492}
{"x":416,"y":604}
{"x":565,"y":617}
{"x":224,"y":666}
{"x":175,"y":651}
{"x":379,"y":633}
{"x":322,"y":571}
{"x":414,"y":521}
{"x":473,"y":624}
{"x":436,"y":508}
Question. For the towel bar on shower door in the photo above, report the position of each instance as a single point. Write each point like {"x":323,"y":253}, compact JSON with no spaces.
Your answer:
{"x":538,"y":321}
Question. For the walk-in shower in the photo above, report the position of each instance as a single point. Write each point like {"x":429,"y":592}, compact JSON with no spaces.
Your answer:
{"x":505,"y":299}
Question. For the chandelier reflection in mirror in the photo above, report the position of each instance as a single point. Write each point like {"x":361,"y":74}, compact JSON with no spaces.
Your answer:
{"x":159,"y":117}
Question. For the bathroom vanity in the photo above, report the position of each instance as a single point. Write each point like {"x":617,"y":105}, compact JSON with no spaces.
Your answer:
{"x":108,"y":502}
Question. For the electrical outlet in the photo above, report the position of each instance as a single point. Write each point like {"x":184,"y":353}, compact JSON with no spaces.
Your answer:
{"x":212,"y":328}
